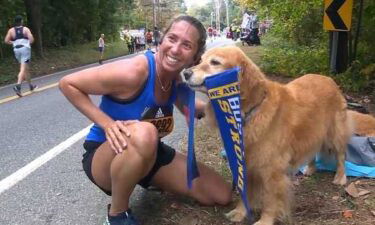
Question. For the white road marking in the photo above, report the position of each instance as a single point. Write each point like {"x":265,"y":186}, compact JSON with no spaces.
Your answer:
{"x":20,"y":174}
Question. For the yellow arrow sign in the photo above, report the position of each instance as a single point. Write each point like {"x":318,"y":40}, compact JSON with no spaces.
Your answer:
{"x":337,"y":15}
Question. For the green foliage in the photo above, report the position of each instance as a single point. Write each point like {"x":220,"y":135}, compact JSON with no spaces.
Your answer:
{"x":357,"y":78}
{"x":366,"y":46}
{"x":284,"y":58}
{"x":129,"y":16}
{"x":203,"y":13}
{"x":297,"y":21}
{"x":8,"y":10}
{"x":297,"y":43}
{"x":73,"y":21}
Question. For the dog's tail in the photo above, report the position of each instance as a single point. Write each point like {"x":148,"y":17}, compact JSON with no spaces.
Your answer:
{"x":363,"y":124}
{"x":338,"y":136}
{"x":350,"y":123}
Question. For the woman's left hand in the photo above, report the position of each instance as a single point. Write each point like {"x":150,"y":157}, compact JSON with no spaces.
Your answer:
{"x":115,"y":134}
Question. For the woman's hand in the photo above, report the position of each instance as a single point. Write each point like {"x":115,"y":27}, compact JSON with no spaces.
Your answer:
{"x":116,"y":132}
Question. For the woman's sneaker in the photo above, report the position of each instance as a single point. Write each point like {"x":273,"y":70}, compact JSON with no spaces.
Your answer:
{"x":124,"y":218}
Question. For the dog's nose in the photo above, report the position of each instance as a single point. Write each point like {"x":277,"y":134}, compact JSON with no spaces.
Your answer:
{"x":187,"y":73}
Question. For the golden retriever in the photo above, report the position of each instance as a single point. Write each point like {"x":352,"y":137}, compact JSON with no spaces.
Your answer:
{"x":364,"y":123}
{"x":285,"y":126}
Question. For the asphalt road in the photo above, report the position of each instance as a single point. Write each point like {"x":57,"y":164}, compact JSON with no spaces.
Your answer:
{"x":57,"y":191}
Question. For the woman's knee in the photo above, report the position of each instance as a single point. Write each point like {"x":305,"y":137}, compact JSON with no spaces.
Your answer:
{"x":144,"y":138}
{"x":226,"y":196}
{"x":222,"y":194}
{"x":215,"y":190}
{"x":214,"y":196}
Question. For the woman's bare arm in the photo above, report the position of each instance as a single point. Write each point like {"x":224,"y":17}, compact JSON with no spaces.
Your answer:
{"x":120,"y":79}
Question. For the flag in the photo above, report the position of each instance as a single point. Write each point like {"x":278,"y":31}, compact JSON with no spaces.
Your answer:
{"x":187,"y":98}
{"x":224,"y":94}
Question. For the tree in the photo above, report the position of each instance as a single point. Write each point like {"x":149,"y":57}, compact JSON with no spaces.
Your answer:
{"x":8,"y":10}
{"x":34,"y":16}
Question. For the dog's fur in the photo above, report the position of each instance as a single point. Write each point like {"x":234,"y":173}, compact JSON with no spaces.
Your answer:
{"x":287,"y":126}
{"x":364,"y":123}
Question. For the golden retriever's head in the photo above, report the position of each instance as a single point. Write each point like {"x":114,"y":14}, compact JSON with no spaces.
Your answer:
{"x":219,"y":59}
{"x":214,"y":61}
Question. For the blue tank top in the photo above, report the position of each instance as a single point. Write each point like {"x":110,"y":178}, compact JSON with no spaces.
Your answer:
{"x":142,"y":107}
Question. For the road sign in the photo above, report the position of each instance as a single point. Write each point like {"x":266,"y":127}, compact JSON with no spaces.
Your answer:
{"x":337,"y":15}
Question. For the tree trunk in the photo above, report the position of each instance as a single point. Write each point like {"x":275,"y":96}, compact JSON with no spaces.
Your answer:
{"x":1,"y":52}
{"x":34,"y":17}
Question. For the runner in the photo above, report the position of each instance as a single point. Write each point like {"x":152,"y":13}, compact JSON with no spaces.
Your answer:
{"x":156,"y":38}
{"x":101,"y":48}
{"x":210,"y":31}
{"x":129,"y":42}
{"x":20,"y":37}
{"x":149,"y":39}
{"x":142,"y":42}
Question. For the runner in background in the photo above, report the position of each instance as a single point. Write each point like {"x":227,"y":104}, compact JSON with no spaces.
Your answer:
{"x":129,"y":42}
{"x":142,"y":42}
{"x":20,"y":37}
{"x":101,"y":48}
{"x":210,"y":31}
{"x":156,"y":35}
{"x":149,"y":39}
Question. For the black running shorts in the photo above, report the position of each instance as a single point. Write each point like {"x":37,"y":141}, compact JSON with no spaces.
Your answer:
{"x":165,"y":155}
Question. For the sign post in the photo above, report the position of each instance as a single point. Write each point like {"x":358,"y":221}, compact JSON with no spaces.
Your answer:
{"x":337,"y":19}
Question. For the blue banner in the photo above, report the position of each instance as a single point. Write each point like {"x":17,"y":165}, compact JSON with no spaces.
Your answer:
{"x":187,"y":98}
{"x":224,"y":93}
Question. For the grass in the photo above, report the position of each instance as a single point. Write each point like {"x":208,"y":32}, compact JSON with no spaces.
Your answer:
{"x":254,"y":53}
{"x":59,"y":59}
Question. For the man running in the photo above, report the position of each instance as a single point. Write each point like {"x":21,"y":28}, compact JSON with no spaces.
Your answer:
{"x":20,"y":37}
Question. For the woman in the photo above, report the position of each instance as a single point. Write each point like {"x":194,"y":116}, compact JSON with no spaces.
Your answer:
{"x":101,"y":45}
{"x":123,"y":148}
{"x":20,"y":37}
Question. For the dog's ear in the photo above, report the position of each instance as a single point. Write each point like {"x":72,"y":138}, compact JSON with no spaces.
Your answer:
{"x":249,"y":73}
{"x":249,"y":70}
{"x":252,"y":83}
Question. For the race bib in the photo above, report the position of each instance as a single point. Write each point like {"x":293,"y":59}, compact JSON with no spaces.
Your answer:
{"x":161,"y":117}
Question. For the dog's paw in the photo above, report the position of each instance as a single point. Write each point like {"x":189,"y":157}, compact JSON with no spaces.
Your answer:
{"x":259,"y":222}
{"x":235,"y":215}
{"x":339,"y":180}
